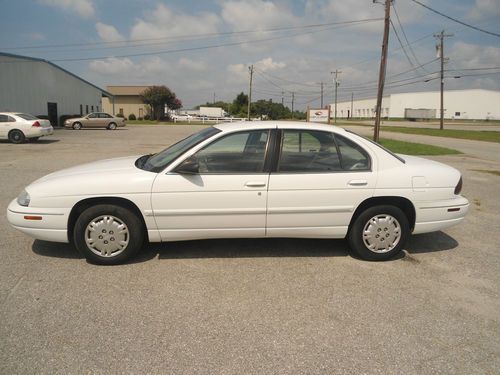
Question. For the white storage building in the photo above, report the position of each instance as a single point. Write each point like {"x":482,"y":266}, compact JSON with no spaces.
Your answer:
{"x":471,"y":104}
{"x":42,"y":88}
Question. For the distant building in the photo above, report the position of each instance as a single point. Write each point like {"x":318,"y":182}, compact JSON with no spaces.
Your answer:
{"x":44,"y":89}
{"x":474,"y":104}
{"x":127,"y":101}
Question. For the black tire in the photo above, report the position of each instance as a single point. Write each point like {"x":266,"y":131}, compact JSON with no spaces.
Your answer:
{"x":112,"y":126}
{"x":387,"y":231}
{"x":16,"y":136}
{"x":77,"y":126}
{"x":107,"y":221}
{"x":34,"y":139}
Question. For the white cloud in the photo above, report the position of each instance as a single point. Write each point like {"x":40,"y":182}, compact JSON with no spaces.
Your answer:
{"x":191,"y":64}
{"x":112,"y":66}
{"x":237,"y":73}
{"x":163,"y":22}
{"x":268,"y":64}
{"x":108,"y":33}
{"x":466,"y":55}
{"x":35,"y":36}
{"x":84,"y":8}
{"x":485,"y":9}
{"x":257,"y":15}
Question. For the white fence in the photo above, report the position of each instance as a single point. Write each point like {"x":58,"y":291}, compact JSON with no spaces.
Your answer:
{"x":210,"y":120}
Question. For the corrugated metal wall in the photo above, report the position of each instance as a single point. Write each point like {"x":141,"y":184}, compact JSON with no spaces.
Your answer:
{"x":28,"y":85}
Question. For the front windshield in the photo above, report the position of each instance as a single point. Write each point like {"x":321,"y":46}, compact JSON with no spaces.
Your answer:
{"x":158,"y":162}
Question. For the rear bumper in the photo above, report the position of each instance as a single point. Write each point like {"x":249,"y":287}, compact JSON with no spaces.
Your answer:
{"x":51,"y":227}
{"x":437,"y":215}
{"x":39,"y":132}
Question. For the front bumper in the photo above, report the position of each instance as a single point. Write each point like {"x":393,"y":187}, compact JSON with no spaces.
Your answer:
{"x":50,"y":223}
{"x":437,"y":215}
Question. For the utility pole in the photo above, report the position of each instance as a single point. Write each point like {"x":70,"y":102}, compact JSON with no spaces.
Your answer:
{"x":321,"y":84}
{"x":250,"y":91}
{"x":383,"y":65}
{"x":335,"y":85}
{"x":282,"y":98}
{"x":440,"y":48}
{"x":214,"y":97}
{"x":293,"y":99}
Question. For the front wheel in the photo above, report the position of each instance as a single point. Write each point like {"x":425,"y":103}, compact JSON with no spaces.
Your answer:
{"x":108,"y":234}
{"x":379,"y":233}
{"x":77,"y":126}
{"x":112,"y":126}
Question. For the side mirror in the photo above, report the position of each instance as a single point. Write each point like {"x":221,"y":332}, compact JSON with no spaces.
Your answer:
{"x":188,"y":166}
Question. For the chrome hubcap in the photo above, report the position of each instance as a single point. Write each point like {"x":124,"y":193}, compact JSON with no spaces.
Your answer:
{"x":107,"y":236}
{"x":382,"y":233}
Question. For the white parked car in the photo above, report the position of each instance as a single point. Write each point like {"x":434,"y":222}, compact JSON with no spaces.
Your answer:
{"x":241,"y":180}
{"x":17,"y":127}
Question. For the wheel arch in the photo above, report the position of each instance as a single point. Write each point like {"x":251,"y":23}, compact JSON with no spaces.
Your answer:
{"x":82,"y":205}
{"x":402,"y":203}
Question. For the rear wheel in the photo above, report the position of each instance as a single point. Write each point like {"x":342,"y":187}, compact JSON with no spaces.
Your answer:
{"x":112,"y":126}
{"x":77,"y":126}
{"x":16,"y":136}
{"x":379,"y":233}
{"x":108,"y":234}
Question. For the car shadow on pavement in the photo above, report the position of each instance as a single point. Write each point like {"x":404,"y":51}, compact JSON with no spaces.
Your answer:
{"x":430,"y":242}
{"x":55,"y":250}
{"x":251,"y":248}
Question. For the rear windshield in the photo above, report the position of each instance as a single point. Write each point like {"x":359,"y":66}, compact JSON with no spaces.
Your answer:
{"x":26,"y":116}
{"x":380,"y":146}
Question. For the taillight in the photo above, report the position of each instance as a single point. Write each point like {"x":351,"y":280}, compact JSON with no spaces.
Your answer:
{"x":458,"y":188}
{"x":36,"y":124}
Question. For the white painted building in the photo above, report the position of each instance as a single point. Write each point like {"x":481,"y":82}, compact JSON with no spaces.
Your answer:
{"x":42,"y":88}
{"x":475,"y":104}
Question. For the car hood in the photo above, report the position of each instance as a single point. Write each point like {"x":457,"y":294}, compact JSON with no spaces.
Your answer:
{"x":112,"y":176}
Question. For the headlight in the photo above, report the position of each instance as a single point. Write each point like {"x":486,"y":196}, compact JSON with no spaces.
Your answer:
{"x":23,"y":199}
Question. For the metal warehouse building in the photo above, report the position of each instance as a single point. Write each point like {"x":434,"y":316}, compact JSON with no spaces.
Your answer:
{"x":474,"y":104}
{"x":42,"y":88}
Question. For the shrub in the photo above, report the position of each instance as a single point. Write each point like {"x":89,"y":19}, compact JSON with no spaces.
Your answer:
{"x":147,"y":117}
{"x":131,"y":116}
{"x":120,"y":115}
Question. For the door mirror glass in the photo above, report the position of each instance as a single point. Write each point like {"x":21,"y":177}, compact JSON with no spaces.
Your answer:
{"x":188,"y":166}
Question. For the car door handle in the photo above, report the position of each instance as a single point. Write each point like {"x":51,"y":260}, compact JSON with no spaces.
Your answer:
{"x":357,"y":183}
{"x":255,"y":184}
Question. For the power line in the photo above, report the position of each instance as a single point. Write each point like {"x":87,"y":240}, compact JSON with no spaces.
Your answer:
{"x":401,"y":44}
{"x":456,"y":20}
{"x":207,"y":47}
{"x":408,"y":44}
{"x":193,"y":35}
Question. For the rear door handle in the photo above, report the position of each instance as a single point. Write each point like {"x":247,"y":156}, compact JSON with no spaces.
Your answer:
{"x":358,"y":183}
{"x":255,"y":184}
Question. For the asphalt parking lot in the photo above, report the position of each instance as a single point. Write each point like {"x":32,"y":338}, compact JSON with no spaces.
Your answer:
{"x":246,"y":306}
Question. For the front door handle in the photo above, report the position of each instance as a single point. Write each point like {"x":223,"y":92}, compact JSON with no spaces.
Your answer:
{"x":358,"y":183}
{"x":254,"y":184}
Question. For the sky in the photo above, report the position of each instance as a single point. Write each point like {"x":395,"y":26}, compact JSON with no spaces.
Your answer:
{"x":203,"y":49}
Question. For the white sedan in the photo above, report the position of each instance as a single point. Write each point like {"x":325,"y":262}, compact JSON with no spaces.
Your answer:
{"x":242,"y":180}
{"x":17,"y":127}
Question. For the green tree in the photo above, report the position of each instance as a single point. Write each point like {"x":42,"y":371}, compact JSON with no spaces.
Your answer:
{"x":157,"y":97}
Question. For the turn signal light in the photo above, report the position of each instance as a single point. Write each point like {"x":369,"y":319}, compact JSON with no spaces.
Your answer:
{"x":36,"y":124}
{"x":32,"y":218}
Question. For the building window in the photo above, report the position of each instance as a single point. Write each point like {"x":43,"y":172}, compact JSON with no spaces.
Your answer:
{"x":141,"y":113}
{"x":92,"y":108}
{"x":81,"y":109}
{"x":457,"y":113}
{"x":121,"y":112}
{"x":86,"y":109}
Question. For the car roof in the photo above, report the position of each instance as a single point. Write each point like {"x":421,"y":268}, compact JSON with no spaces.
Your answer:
{"x":245,"y":125}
